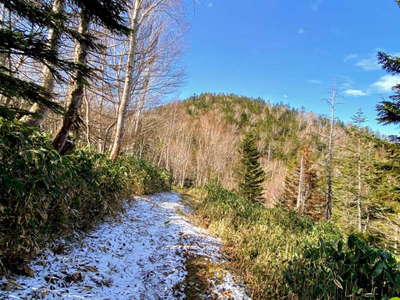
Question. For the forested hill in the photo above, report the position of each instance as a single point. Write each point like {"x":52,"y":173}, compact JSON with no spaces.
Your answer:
{"x":198,"y":139}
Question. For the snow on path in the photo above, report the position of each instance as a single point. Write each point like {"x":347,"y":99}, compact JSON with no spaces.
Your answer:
{"x":140,"y":256}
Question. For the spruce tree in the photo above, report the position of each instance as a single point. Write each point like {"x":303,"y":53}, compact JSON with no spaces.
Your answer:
{"x":356,"y":165}
{"x":16,"y":40}
{"x":389,"y":110}
{"x":252,"y":175}
{"x":302,"y":192}
{"x":108,"y":14}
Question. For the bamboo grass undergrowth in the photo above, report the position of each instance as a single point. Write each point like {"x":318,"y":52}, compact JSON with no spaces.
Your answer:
{"x":45,"y":196}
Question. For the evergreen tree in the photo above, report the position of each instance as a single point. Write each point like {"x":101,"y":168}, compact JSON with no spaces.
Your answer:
{"x":108,"y":14}
{"x":301,"y":188}
{"x":358,"y":120}
{"x":252,"y":175}
{"x":389,"y":110}
{"x":16,"y":40}
{"x":354,"y":169}
{"x":367,"y":186}
{"x":385,"y":192}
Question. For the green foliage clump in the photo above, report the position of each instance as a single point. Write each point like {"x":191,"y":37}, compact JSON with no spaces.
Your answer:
{"x":333,"y":271}
{"x":280,"y":254}
{"x":369,"y":172}
{"x":259,"y":241}
{"x":44,"y":195}
{"x":389,"y":110}
{"x":141,"y":177}
{"x":251,"y":173}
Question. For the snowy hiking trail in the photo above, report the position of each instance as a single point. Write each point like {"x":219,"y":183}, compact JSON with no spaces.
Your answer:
{"x":139,"y":256}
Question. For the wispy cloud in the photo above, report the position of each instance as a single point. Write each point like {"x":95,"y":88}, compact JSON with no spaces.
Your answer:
{"x":345,"y":83}
{"x":301,"y":31}
{"x":314,"y":81}
{"x":356,"y":93}
{"x":386,"y":83}
{"x":350,"y":56}
{"x":369,"y":64}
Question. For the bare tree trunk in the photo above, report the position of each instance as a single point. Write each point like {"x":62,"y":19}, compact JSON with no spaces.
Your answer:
{"x":122,"y":108}
{"x":75,"y":94}
{"x":48,"y":80}
{"x":3,"y":16}
{"x":300,"y":191}
{"x":5,"y":58}
{"x":141,"y":103}
{"x":329,"y":193}
{"x":140,"y":12}
{"x":87,"y":121}
{"x":3,"y":25}
{"x":359,"y":185}
{"x":366,"y":224}
{"x":107,"y":132}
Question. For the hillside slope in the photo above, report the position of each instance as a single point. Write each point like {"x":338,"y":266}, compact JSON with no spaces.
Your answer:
{"x":197,"y":141}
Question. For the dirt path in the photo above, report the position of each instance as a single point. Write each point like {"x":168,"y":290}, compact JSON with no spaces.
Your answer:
{"x":141,"y":256}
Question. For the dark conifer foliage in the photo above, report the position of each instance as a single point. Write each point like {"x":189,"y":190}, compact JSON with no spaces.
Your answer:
{"x":12,"y":87}
{"x":108,"y":13}
{"x":17,"y":40}
{"x":252,"y":175}
{"x":389,"y":110}
{"x":302,"y":192}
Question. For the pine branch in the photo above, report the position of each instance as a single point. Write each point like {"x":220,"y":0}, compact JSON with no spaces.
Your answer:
{"x":389,"y":63}
{"x":15,"y":88}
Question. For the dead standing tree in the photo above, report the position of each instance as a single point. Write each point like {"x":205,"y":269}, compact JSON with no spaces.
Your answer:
{"x":332,"y":103}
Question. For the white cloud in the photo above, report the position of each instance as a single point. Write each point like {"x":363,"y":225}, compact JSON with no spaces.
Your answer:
{"x":314,"y":81}
{"x":369,"y":64}
{"x":356,"y":93}
{"x":345,"y":82}
{"x":386,"y":83}
{"x":285,"y":96}
{"x":350,"y":56}
{"x":301,"y":31}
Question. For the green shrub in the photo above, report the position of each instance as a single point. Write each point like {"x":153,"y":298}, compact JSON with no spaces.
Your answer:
{"x":336,"y":271}
{"x":259,"y":241}
{"x":282,"y":255}
{"x":44,"y":195}
{"x":141,"y":177}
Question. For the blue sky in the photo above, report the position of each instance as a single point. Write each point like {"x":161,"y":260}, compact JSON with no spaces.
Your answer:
{"x":293,"y":51}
